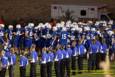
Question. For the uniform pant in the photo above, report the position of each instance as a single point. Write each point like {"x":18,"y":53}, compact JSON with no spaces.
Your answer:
{"x":11,"y":71}
{"x":67,"y":66}
{"x":33,"y":70}
{"x":92,"y":62}
{"x":57,"y":68}
{"x":38,"y":49}
{"x":0,"y":73}
{"x":62,"y":68}
{"x":43,"y":70}
{"x":22,"y":71}
{"x":98,"y":59}
{"x":3,"y":72}
{"x":112,"y":55}
{"x":73,"y":65}
{"x":49,"y":69}
{"x":80,"y":63}
{"x":103,"y":56}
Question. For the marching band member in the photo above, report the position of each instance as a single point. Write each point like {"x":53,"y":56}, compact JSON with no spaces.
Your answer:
{"x":73,"y":58}
{"x":57,"y":59}
{"x":103,"y":50}
{"x":4,"y":63}
{"x":50,"y":60}
{"x":33,"y":61}
{"x":43,"y":66}
{"x":112,"y":50}
{"x":62,"y":61}
{"x":12,"y":62}
{"x":81,"y":54}
{"x":68,"y":60}
{"x":94,"y":48}
{"x":98,"y":53}
{"x":23,"y":64}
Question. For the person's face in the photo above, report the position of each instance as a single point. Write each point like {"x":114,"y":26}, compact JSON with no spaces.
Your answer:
{"x":74,"y":43}
{"x":79,"y":42}
{"x":26,"y":34}
{"x":93,"y":41}
{"x":83,"y":37}
{"x":12,"y":50}
{"x":44,"y":49}
{"x":0,"y":53}
{"x":58,"y":46}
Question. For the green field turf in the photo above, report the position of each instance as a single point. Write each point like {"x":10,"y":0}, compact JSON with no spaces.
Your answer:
{"x":98,"y":73}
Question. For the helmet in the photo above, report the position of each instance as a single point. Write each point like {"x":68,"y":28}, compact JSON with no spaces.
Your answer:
{"x":58,"y":25}
{"x":64,"y":29}
{"x":93,"y":29}
{"x":31,"y":25}
{"x":48,"y":25}
{"x":2,"y":25}
{"x":62,"y":23}
{"x":10,"y":26}
{"x":18,"y":26}
{"x":54,"y":28}
{"x":80,"y":30}
{"x":73,"y":29}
